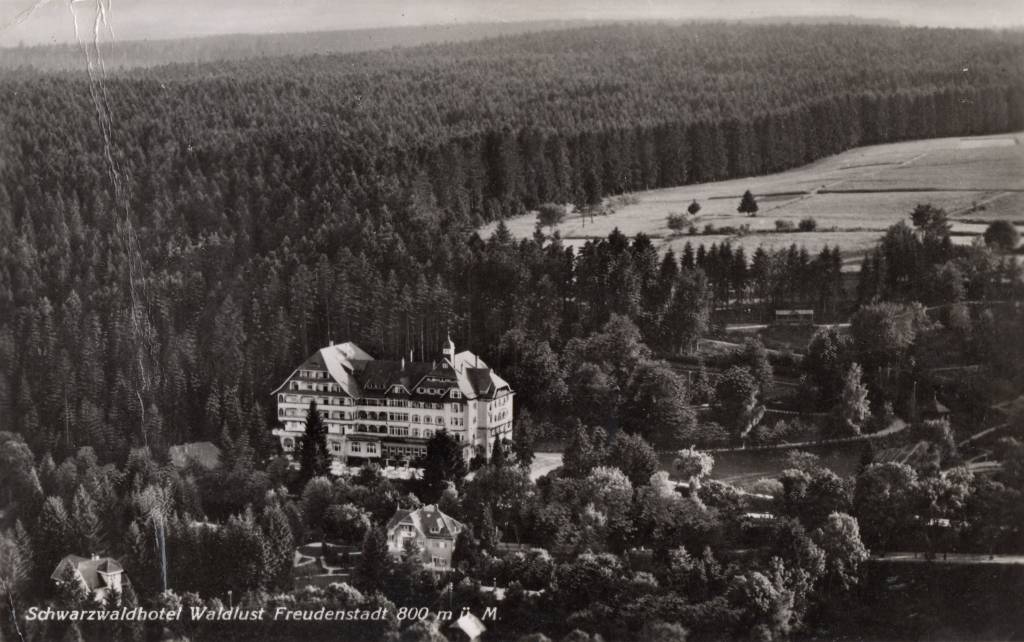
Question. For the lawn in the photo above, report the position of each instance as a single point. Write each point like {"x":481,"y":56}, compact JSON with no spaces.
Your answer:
{"x":744,"y":468}
{"x":972,"y":178}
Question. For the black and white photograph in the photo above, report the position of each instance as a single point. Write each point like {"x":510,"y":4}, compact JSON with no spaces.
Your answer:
{"x":511,"y":321}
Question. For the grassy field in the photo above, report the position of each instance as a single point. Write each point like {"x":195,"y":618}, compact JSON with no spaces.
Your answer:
{"x":853,"y":196}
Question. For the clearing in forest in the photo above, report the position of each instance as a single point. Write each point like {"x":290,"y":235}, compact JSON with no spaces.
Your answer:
{"x":853,"y":197}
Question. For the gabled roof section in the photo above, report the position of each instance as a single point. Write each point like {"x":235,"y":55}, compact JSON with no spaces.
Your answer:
{"x":91,"y":570}
{"x":400,"y":516}
{"x":429,"y":521}
{"x":476,"y":379}
{"x":380,"y":375}
{"x":340,"y":360}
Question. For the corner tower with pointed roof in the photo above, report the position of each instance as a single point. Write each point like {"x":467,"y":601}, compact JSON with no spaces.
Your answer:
{"x":385,"y":411}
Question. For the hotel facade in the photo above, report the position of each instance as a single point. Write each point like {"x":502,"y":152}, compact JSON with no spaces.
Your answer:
{"x":385,"y":411}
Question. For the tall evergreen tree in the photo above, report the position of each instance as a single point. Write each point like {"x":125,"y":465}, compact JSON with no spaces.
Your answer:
{"x":853,"y":410}
{"x":314,"y":461}
{"x":444,"y":463}
{"x":85,"y":523}
{"x":280,"y":545}
{"x":375,"y":562}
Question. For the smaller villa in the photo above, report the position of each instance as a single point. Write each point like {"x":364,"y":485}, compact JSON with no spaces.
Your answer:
{"x":98,"y":575}
{"x":431,"y":530}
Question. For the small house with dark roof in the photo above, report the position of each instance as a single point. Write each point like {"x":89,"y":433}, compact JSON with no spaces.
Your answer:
{"x":430,"y":529}
{"x":100,"y":576}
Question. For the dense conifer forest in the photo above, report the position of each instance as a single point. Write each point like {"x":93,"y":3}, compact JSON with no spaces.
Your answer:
{"x":173,"y":240}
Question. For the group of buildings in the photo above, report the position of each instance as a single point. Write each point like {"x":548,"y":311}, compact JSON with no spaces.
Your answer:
{"x":375,"y":410}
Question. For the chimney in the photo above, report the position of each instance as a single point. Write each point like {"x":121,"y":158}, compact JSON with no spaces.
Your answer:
{"x":403,"y":364}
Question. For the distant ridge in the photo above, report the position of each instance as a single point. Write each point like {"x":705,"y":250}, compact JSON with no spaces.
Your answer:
{"x":823,"y":19}
{"x":242,"y":46}
{"x":202,"y":49}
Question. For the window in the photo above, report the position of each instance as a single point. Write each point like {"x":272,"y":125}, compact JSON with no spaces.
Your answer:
{"x":357,"y":448}
{"x":371,"y":448}
{"x":288,"y":443}
{"x":335,"y":446}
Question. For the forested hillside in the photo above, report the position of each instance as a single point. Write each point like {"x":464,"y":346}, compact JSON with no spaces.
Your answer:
{"x":173,"y":240}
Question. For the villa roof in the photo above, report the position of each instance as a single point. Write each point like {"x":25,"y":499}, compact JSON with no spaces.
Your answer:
{"x":91,"y":570}
{"x":429,"y":520}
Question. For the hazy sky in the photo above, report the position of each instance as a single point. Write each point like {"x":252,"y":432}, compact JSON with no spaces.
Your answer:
{"x":42,"y":21}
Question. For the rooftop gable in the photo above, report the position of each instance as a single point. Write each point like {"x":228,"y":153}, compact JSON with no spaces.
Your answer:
{"x":93,"y":571}
{"x":428,"y":520}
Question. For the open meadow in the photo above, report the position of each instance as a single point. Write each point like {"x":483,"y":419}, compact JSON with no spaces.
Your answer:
{"x":853,"y":197}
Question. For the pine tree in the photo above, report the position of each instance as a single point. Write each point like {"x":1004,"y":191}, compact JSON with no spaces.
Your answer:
{"x":375,"y":562}
{"x":748,"y":204}
{"x":85,"y":523}
{"x":523,"y":438}
{"x":313,"y":458}
{"x":134,"y":630}
{"x":687,"y":262}
{"x":246,"y":565}
{"x":52,"y":535}
{"x":280,"y":546}
{"x":490,"y":535}
{"x":444,"y":463}
{"x":853,"y":409}
{"x":498,"y":458}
